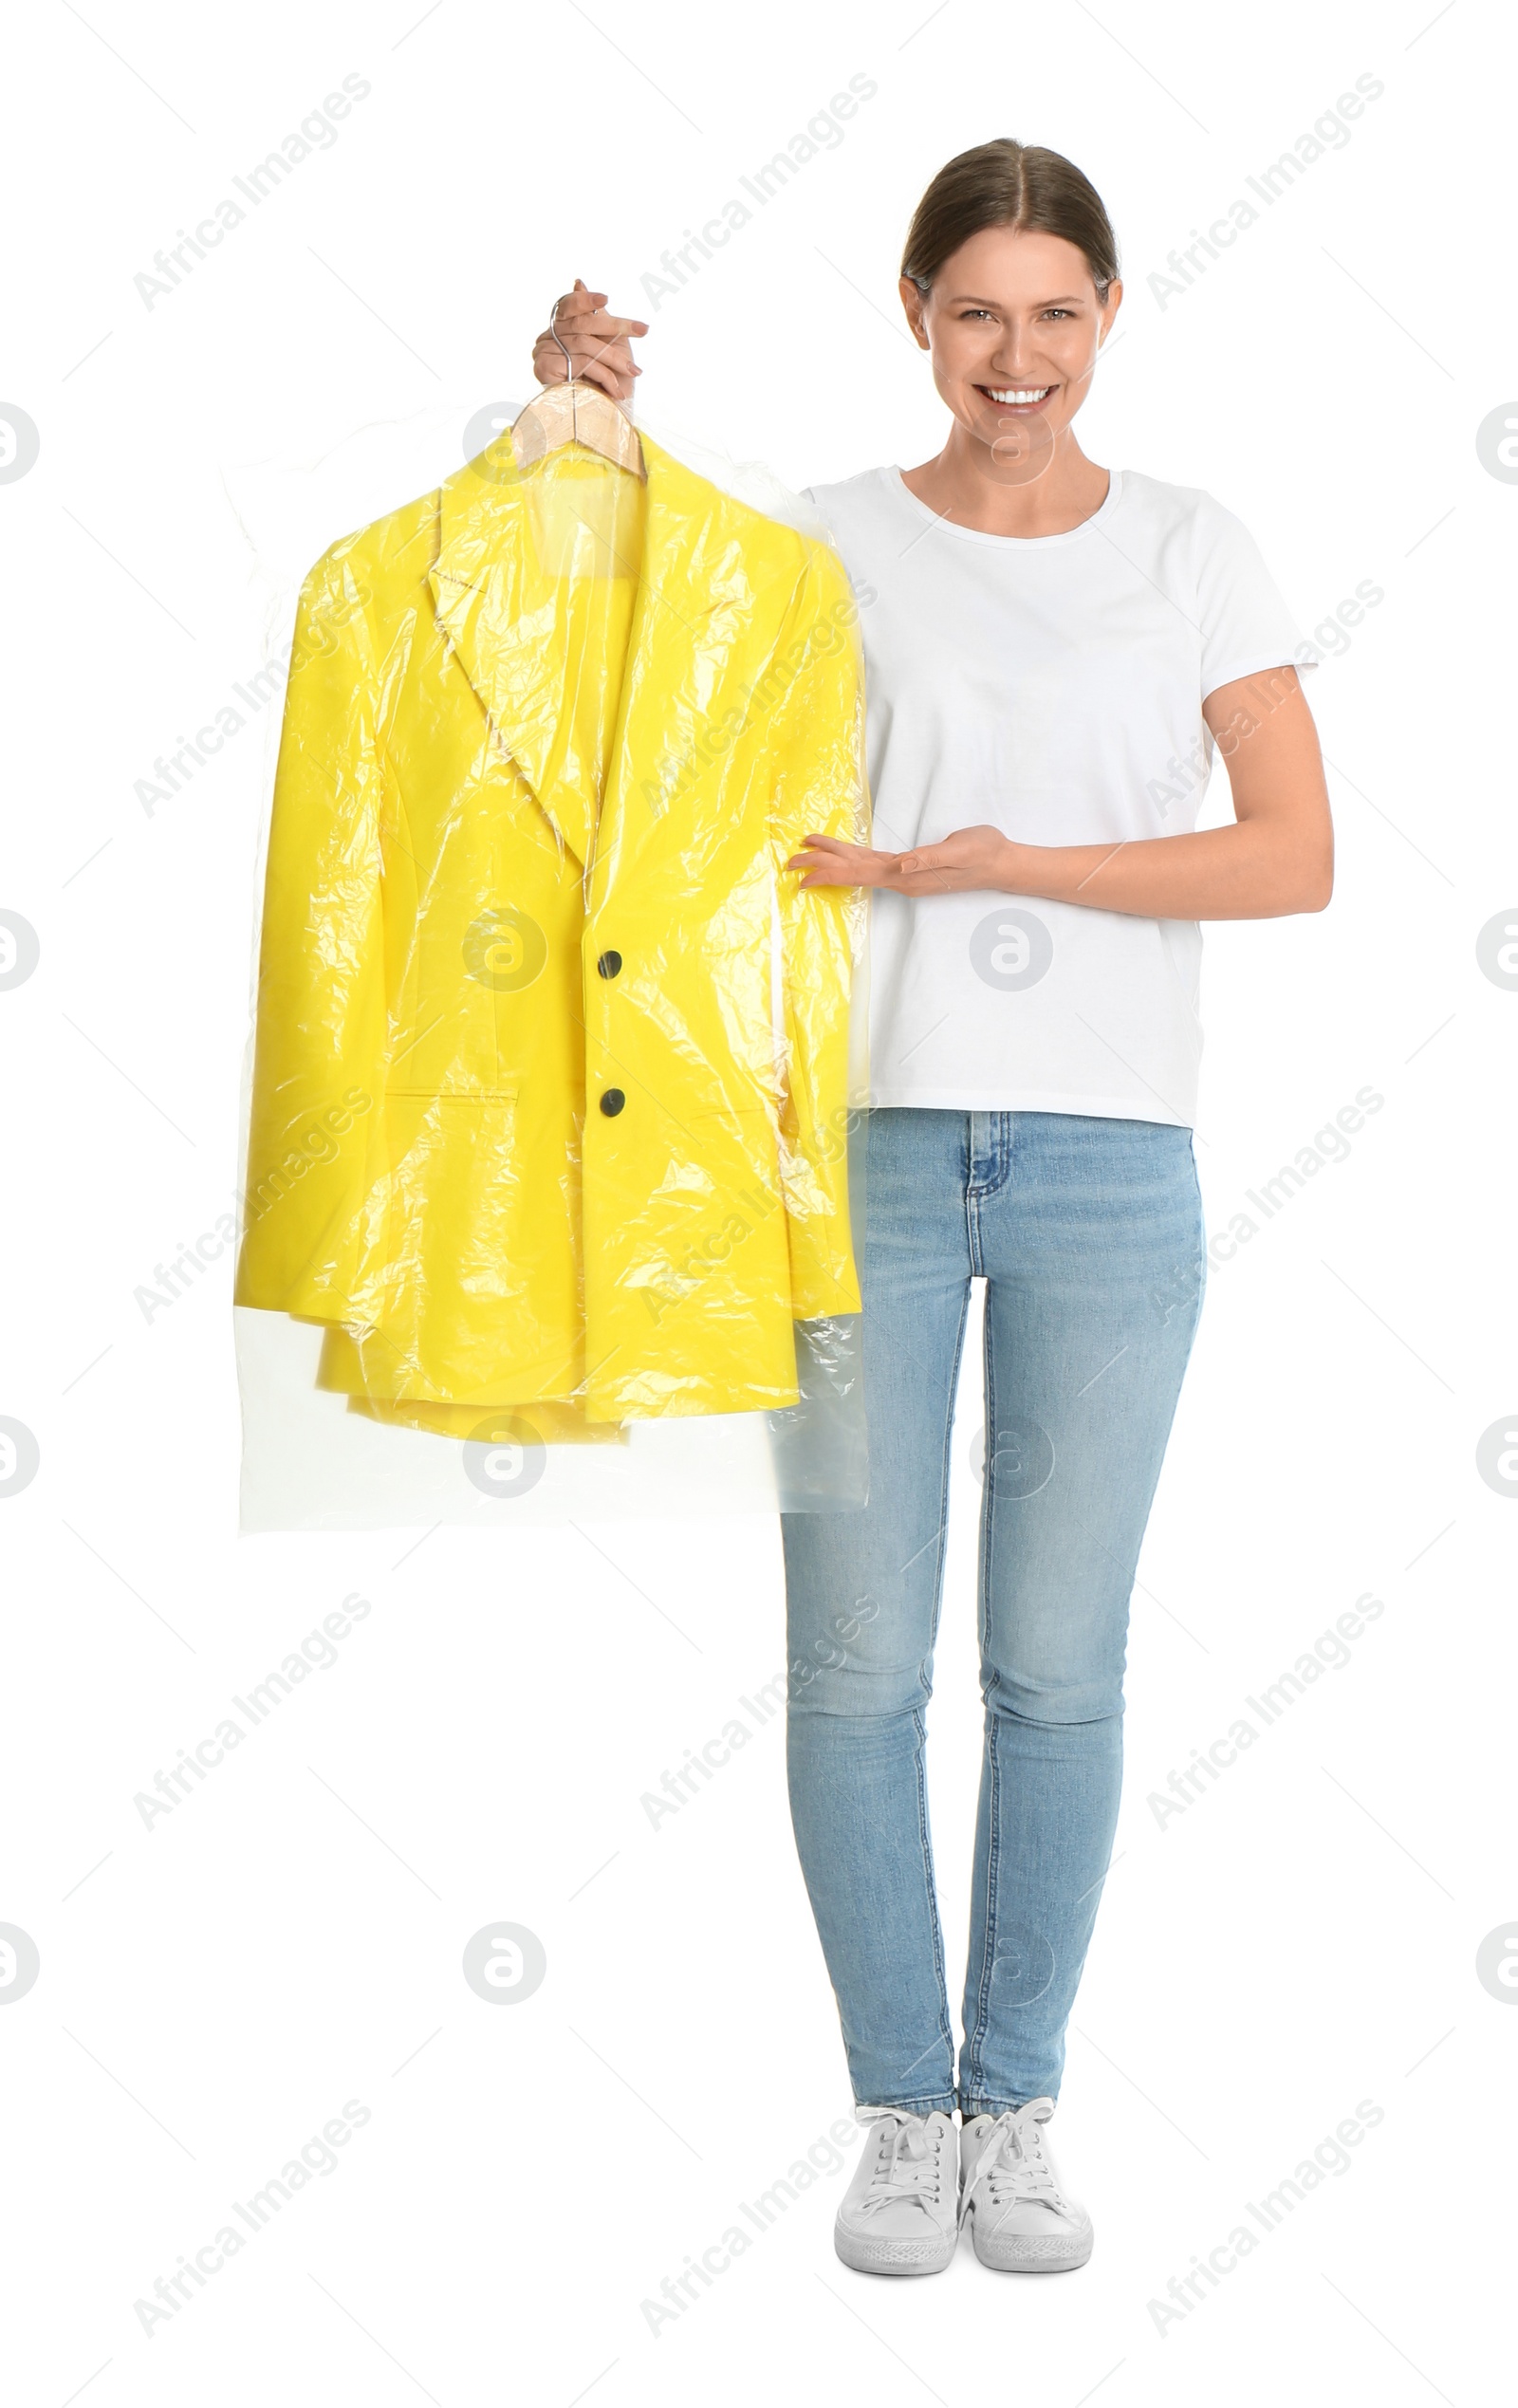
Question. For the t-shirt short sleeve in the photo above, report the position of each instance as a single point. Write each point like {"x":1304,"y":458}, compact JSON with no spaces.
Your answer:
{"x":1246,"y":625}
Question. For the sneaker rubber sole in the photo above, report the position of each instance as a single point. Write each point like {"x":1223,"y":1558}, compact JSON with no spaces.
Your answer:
{"x":1030,"y":2254}
{"x":888,"y":2256}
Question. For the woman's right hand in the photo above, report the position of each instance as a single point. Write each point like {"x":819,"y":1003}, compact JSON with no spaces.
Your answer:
{"x":597,"y":345}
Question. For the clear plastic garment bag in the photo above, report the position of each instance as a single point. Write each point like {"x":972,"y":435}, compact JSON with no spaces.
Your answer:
{"x":554,"y":1081}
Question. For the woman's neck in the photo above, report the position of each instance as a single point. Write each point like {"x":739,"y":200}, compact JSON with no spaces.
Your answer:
{"x":966,"y":484}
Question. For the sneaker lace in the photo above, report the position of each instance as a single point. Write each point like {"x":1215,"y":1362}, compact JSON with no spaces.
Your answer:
{"x":908,"y":2165}
{"x":1012,"y":2167}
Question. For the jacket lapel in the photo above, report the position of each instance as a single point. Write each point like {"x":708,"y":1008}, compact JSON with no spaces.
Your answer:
{"x":499,"y":612}
{"x":506,"y":614}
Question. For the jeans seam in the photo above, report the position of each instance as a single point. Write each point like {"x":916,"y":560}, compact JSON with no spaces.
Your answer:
{"x":930,"y":1887}
{"x":971,"y":1198}
{"x":946,"y":2031}
{"x":945,"y":2025}
{"x":975,"y":1189}
{"x":976,"y":2040}
{"x":976,"y":2037}
{"x":943,"y":2102}
{"x":951,"y":1393}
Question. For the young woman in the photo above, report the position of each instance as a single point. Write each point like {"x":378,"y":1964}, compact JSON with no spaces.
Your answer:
{"x":1053,"y":650}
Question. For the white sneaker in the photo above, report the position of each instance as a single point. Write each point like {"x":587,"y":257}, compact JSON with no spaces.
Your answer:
{"x":1021,"y":2219}
{"x":899,"y":2213}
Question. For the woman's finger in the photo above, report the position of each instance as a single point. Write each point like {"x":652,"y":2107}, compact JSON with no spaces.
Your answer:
{"x":597,"y":325}
{"x":615,"y":353}
{"x":596,"y":373}
{"x":589,"y":366}
{"x":823,"y":848}
{"x":844,"y":865}
{"x":585,"y":344}
{"x":935,"y":862}
{"x":836,"y":848}
{"x":583,"y":310}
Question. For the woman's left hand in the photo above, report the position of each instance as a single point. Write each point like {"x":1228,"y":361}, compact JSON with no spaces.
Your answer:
{"x":973,"y":857}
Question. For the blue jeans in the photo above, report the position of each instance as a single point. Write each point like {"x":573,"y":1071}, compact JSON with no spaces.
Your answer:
{"x":1089,"y":1235}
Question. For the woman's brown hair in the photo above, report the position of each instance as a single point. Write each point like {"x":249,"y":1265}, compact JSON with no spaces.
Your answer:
{"x":1007,"y":183}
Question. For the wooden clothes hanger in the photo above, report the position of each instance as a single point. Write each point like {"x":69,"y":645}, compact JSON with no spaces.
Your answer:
{"x":575,"y":411}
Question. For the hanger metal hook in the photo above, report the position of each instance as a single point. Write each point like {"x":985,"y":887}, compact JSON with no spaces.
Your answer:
{"x":553,"y":329}
{"x":574,"y":408}
{"x":569,"y":366}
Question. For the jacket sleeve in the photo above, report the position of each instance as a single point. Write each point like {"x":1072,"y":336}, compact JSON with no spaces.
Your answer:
{"x":321,"y":1007}
{"x":816,"y":744}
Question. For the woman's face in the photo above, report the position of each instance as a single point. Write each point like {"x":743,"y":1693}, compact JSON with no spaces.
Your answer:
{"x":1013,"y":325}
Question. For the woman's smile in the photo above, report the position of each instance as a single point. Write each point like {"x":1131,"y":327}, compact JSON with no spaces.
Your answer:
{"x":1023,"y":399}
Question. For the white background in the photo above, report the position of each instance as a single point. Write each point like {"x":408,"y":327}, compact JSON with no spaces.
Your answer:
{"x":1304,"y":1936}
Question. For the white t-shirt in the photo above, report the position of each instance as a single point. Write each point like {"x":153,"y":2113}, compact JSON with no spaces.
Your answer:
{"x":1050,"y":686}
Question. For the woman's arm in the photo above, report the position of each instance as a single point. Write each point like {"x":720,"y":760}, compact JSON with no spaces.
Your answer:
{"x":1277,"y":857}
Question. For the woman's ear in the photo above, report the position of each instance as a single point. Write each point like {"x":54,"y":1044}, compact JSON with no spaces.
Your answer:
{"x":912,"y":301}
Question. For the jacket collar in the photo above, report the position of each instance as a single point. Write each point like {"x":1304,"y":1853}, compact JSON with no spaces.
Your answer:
{"x":503,"y":614}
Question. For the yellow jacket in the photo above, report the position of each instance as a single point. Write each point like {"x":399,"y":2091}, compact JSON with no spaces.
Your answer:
{"x":551,"y":1069}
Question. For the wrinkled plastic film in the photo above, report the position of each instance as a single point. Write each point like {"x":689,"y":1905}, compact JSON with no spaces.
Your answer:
{"x":555,"y":1065}
{"x":820,"y":1445}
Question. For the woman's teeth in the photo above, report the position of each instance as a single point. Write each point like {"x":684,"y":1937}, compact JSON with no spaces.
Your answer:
{"x":1036,"y":393}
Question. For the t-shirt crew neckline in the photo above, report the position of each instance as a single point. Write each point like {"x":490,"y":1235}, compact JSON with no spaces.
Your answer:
{"x":893,"y":476}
